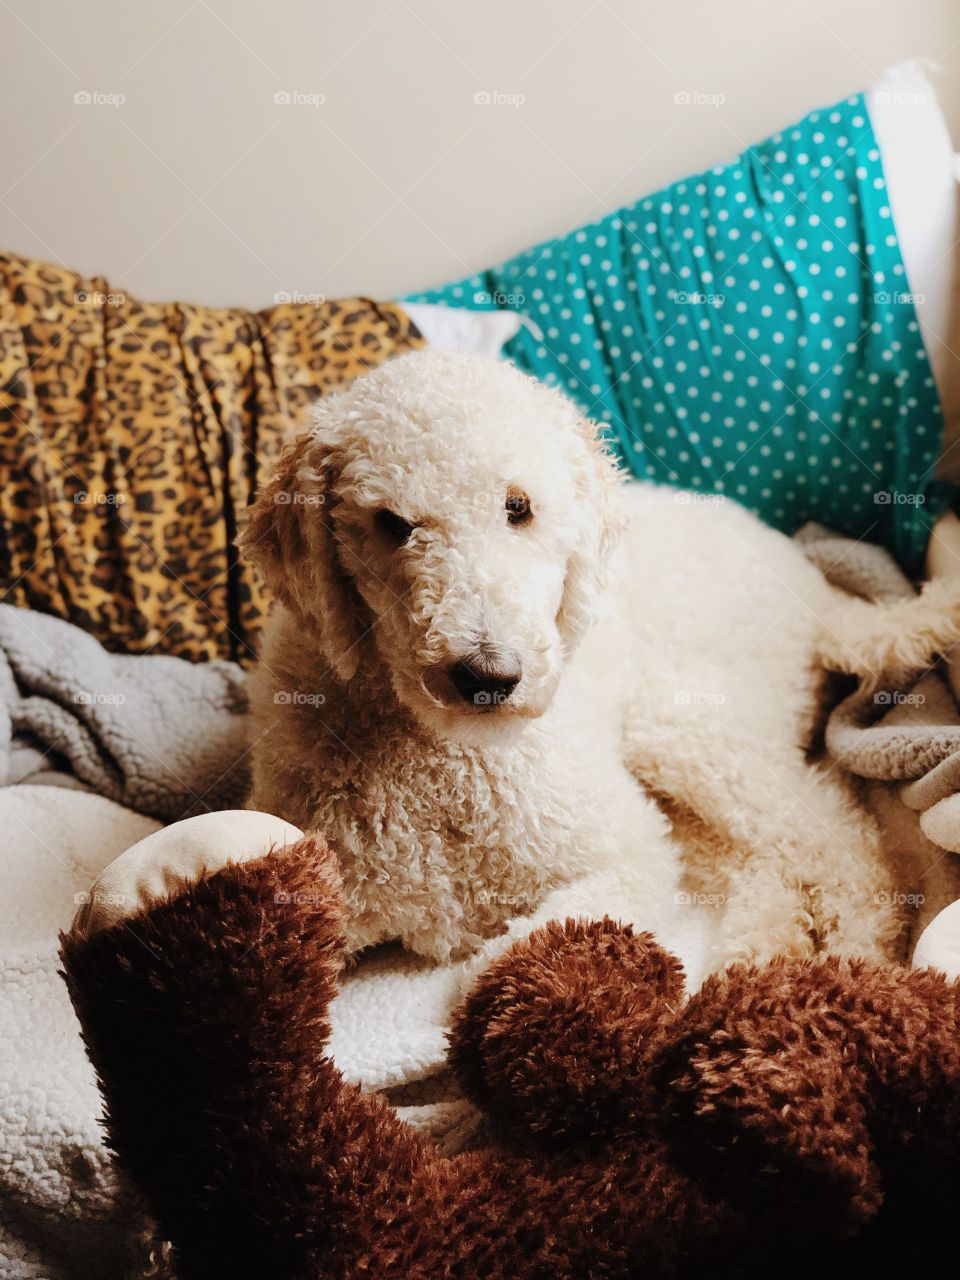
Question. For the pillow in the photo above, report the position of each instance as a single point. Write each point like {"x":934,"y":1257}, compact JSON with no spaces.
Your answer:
{"x":921,"y":172}
{"x":455,"y":329}
{"x":133,"y":436}
{"x":748,"y":332}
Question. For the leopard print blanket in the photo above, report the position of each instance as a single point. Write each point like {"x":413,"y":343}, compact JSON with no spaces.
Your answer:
{"x":133,"y":435}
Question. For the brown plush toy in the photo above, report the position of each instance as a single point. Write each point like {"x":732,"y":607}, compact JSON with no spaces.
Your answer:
{"x":800,"y":1117}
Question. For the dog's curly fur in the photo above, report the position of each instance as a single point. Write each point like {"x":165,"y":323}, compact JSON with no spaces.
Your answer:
{"x":800,"y":1118}
{"x":664,"y":638}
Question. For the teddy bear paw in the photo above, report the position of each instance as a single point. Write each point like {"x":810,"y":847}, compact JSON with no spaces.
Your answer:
{"x":159,"y":866}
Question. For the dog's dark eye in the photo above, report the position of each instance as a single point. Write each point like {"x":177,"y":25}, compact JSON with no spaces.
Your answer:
{"x":393,"y":526}
{"x":518,"y":509}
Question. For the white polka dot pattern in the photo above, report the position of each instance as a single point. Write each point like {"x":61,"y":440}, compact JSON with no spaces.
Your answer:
{"x":749,"y":332}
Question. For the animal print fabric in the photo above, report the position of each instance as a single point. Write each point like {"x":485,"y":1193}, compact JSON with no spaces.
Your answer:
{"x":133,"y":435}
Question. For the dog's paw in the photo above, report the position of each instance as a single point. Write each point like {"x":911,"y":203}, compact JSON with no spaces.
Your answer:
{"x":759,"y":945}
{"x":157,"y":867}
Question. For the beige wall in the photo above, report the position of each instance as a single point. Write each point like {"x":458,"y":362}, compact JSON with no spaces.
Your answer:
{"x":199,"y":185}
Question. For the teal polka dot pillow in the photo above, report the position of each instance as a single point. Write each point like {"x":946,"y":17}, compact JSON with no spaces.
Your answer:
{"x":748,"y":332}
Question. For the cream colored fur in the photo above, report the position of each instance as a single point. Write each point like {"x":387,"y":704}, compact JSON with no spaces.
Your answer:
{"x":672,"y":653}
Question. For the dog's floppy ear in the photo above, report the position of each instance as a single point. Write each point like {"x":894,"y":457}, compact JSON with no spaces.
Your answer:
{"x":600,"y":517}
{"x":289,"y":534}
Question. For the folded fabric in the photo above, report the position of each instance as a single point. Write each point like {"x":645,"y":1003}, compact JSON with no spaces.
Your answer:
{"x":165,"y":737}
{"x":888,"y":730}
{"x":901,"y":734}
{"x":748,"y":331}
{"x":134,"y":434}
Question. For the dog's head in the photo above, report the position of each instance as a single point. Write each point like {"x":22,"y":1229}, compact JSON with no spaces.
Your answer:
{"x":449,"y":518}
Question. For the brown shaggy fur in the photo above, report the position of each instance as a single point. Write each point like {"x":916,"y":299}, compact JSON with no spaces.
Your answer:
{"x":759,"y":1125}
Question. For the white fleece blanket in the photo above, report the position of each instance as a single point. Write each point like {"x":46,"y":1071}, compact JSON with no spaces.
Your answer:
{"x":62,"y":1210}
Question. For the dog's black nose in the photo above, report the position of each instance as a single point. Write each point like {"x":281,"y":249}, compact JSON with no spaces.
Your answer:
{"x":484,"y":682}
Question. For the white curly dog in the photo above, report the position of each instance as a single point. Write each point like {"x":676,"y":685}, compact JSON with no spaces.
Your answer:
{"x":497,"y":673}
